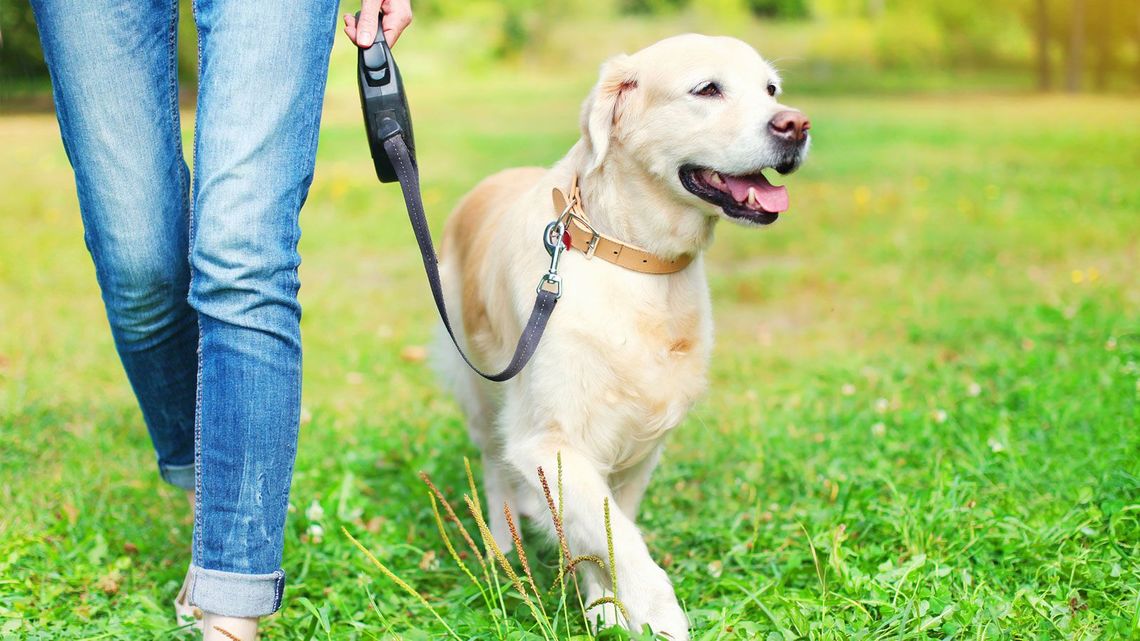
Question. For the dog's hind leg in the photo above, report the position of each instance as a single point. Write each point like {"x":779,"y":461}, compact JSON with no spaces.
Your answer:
{"x":478,"y":406}
{"x":499,"y":492}
{"x":476,"y":398}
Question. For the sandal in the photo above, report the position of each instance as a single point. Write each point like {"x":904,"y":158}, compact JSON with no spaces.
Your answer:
{"x":184,"y":613}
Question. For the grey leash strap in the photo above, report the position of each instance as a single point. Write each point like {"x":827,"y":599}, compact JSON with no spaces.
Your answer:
{"x":544,"y":302}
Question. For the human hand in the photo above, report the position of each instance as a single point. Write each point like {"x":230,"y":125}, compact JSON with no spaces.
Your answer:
{"x":397,"y":16}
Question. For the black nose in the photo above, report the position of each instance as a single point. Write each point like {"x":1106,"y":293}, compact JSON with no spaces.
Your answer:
{"x":790,"y":125}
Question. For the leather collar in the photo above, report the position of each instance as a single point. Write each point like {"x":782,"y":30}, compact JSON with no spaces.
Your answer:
{"x":585,"y":239}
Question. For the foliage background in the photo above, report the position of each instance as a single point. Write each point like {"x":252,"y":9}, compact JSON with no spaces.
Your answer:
{"x":1072,"y":44}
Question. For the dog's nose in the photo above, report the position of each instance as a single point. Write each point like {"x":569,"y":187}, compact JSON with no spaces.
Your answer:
{"x":790,"y":125}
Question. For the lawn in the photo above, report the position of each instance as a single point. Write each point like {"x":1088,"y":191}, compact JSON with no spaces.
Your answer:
{"x":922,"y":423}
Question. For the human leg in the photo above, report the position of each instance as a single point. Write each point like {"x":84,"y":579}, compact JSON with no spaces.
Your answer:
{"x":261,"y":86}
{"x":114,"y":78}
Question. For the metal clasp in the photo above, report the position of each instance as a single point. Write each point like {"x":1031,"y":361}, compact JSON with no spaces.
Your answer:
{"x":552,"y":279}
{"x":552,"y":238}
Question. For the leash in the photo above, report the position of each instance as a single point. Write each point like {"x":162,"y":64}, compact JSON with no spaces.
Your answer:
{"x":389,"y":126}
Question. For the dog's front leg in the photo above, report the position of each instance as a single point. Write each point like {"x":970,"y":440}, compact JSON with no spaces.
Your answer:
{"x":629,"y":485}
{"x":642,"y":586}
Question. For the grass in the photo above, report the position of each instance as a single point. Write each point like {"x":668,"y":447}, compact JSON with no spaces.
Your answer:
{"x":922,"y":421}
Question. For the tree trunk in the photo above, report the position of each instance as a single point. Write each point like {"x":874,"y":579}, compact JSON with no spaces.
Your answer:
{"x":1102,"y":27}
{"x":1076,"y":48}
{"x":1136,"y":36}
{"x":1044,"y":69}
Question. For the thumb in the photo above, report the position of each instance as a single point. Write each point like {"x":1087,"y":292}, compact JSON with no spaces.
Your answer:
{"x":369,"y":23}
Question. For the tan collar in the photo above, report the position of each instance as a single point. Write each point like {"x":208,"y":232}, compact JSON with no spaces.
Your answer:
{"x":585,"y":239}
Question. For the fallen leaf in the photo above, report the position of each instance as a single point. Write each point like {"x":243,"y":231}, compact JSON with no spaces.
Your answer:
{"x":109,"y":583}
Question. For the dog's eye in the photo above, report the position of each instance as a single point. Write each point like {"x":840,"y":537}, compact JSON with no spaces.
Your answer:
{"x":707,"y":90}
{"x":772,"y":90}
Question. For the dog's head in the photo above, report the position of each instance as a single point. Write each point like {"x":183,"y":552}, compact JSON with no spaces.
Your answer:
{"x":701,"y":116}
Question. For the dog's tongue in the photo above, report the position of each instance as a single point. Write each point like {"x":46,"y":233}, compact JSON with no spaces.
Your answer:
{"x":769,"y":198}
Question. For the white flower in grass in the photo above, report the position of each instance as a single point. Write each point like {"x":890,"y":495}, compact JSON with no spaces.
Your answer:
{"x":995,"y":445}
{"x":939,"y":416}
{"x":716,"y":568}
{"x":848,"y":389}
{"x":973,"y":389}
{"x":882,"y":405}
{"x":315,"y":511}
{"x":316,"y":533}
{"x":878,"y":430}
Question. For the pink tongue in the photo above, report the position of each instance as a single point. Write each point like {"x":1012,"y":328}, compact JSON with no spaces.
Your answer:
{"x":772,"y":199}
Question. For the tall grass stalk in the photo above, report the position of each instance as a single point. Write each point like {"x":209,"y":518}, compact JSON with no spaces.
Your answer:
{"x":400,"y":582}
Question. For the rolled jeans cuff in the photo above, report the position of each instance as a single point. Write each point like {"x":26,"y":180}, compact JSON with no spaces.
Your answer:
{"x":178,"y":475}
{"x":236,"y":595}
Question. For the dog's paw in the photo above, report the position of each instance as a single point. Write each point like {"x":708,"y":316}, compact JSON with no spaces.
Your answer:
{"x":653,"y":602}
{"x":669,"y":621}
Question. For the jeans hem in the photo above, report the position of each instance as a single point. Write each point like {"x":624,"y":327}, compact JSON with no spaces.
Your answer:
{"x":233,"y":594}
{"x":181,"y":476}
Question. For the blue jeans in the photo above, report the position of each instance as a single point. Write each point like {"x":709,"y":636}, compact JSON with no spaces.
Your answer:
{"x":200,"y":285}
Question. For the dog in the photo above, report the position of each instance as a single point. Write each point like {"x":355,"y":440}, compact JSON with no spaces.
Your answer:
{"x":674,"y":138}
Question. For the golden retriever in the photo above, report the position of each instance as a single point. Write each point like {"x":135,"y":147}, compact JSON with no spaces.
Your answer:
{"x":674,"y":138}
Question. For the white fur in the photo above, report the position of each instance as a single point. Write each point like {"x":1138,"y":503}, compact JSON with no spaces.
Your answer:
{"x":625,"y":354}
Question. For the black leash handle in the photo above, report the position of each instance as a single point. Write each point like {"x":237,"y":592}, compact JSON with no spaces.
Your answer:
{"x":408,"y":175}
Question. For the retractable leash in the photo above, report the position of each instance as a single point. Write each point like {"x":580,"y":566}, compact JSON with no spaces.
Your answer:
{"x":389,"y":126}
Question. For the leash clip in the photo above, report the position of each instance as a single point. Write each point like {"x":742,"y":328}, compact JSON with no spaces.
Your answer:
{"x":555,"y":245}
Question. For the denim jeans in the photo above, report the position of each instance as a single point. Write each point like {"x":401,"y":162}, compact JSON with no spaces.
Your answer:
{"x":200,"y":286}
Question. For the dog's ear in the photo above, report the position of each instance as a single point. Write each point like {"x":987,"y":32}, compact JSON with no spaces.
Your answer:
{"x":602,"y":110}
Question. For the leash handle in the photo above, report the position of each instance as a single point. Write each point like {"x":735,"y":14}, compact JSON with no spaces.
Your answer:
{"x":384,"y":103}
{"x":405,"y":170}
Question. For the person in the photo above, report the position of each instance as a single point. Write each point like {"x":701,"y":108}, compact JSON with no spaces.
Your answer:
{"x":199,"y":278}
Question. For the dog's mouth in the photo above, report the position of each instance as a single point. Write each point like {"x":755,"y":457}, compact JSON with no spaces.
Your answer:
{"x":748,"y":198}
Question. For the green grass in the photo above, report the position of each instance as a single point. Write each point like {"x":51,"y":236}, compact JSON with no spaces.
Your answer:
{"x":922,"y":423}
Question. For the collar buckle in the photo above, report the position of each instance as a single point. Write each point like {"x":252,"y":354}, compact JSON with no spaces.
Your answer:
{"x":572,"y":218}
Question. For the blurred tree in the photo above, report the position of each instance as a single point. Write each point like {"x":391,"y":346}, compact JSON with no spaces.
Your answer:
{"x":1112,"y":26}
{"x":1093,"y":37}
{"x":525,"y":23}
{"x":20,"y":56}
{"x":650,"y":6}
{"x":22,"y":59}
{"x":783,"y":9}
{"x":1075,"y":46}
{"x":1041,"y":43}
